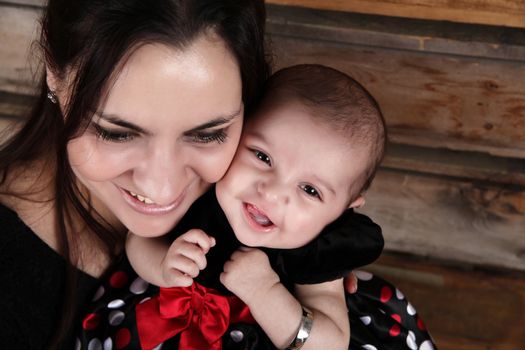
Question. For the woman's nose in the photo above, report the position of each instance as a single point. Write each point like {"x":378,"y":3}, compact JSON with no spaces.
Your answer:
{"x":160,"y":177}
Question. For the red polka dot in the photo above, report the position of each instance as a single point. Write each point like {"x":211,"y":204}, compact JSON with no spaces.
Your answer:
{"x":396,"y":317}
{"x":91,"y":321}
{"x":421,"y":325}
{"x":349,"y":285}
{"x":395,"y":330}
{"x":118,"y":279}
{"x":386,"y":294}
{"x":123,"y":338}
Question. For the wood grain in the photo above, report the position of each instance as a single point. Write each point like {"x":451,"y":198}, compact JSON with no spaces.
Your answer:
{"x":451,"y":219}
{"x":493,"y":12}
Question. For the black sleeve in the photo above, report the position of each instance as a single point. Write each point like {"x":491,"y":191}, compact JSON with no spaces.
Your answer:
{"x":351,"y":241}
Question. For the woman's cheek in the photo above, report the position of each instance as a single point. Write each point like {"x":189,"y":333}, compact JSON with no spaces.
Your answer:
{"x":92,"y":160}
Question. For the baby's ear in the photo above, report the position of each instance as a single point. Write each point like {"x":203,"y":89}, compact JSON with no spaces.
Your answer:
{"x":358,"y":202}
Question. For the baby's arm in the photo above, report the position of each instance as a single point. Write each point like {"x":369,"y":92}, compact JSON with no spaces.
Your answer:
{"x":165,"y":265}
{"x":249,"y":276}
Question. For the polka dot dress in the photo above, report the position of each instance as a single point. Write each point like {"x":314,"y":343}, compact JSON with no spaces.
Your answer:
{"x":382,"y":318}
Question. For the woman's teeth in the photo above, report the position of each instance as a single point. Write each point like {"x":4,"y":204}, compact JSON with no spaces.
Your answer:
{"x":144,"y":200}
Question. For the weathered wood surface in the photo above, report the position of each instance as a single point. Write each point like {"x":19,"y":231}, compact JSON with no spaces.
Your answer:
{"x":18,"y":28}
{"x":450,"y":219}
{"x":432,"y":99}
{"x":463,"y":309}
{"x":493,"y":12}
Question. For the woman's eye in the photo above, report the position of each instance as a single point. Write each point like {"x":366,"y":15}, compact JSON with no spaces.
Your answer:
{"x":113,"y":136}
{"x":263,"y":157}
{"x":311,"y":191}
{"x":219,"y":136}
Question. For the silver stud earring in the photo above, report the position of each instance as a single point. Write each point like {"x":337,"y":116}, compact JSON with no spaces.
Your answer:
{"x":52,"y":96}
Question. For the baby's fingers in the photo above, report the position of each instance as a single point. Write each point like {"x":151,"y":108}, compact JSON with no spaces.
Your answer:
{"x":200,"y":238}
{"x":176,"y":278}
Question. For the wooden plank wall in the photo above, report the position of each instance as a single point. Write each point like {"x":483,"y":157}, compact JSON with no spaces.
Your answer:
{"x":494,"y":12}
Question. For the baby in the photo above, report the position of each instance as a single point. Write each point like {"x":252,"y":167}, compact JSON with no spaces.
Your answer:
{"x":304,"y":161}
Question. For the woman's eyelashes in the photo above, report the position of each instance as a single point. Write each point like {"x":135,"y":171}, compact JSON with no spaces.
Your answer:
{"x":113,"y":136}
{"x":218,"y":136}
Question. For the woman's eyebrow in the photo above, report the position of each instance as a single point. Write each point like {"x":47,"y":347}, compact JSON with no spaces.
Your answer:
{"x":116,"y":120}
{"x":215,"y":122}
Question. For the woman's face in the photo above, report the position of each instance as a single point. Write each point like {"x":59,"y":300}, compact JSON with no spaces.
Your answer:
{"x":169,"y":128}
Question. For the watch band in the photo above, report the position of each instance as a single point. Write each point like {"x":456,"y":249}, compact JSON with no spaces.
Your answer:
{"x":303,"y":333}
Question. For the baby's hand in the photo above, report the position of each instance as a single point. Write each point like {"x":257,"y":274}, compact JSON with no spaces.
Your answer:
{"x":185,"y":258}
{"x":248,"y":273}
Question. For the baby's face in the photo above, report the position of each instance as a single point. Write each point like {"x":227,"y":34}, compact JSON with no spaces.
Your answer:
{"x":291,"y":176}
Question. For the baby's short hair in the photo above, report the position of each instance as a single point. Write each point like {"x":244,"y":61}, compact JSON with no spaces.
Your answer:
{"x":338,"y":100}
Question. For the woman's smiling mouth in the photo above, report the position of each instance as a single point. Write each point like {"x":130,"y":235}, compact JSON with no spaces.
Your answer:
{"x":145,"y":205}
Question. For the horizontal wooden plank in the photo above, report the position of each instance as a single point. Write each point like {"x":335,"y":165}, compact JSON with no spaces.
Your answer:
{"x":429,"y":100}
{"x":398,"y":33}
{"x":451,"y":219}
{"x":494,"y":12}
{"x":474,"y":166}
{"x":463,"y":309}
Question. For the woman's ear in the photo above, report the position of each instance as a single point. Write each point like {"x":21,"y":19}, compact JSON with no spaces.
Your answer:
{"x":358,"y":202}
{"x":51,"y":80}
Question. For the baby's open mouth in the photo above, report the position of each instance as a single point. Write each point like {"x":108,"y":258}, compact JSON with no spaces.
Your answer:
{"x":258,"y":216}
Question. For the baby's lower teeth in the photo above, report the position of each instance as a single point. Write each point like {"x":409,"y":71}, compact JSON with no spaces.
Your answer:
{"x":264,"y":221}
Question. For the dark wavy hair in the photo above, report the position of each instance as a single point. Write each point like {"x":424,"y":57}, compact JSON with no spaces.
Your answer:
{"x":91,"y":37}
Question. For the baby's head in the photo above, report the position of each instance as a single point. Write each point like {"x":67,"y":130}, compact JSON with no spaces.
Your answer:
{"x":309,"y":152}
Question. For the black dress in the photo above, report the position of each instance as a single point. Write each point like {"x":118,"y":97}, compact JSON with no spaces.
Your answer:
{"x":32,"y":288}
{"x":128,"y":312}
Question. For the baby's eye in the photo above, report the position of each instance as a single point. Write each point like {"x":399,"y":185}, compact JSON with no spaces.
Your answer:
{"x":311,"y":191}
{"x":263,"y":157}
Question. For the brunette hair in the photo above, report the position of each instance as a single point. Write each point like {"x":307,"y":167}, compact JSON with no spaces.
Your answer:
{"x":91,"y":38}
{"x":338,"y":100}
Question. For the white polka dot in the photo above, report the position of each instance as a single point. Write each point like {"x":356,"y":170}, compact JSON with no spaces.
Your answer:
{"x":115,"y":304}
{"x":366,"y":320}
{"x":363,"y":275}
{"x":158,"y":347}
{"x":369,"y":347}
{"x":138,"y":286}
{"x":99,"y":293}
{"x":78,"y":346}
{"x":236,"y":335}
{"x":108,"y":344}
{"x":116,"y":317}
{"x":427,"y":345}
{"x":399,"y":295}
{"x":410,"y":309}
{"x":411,"y":340}
{"x":95,"y":344}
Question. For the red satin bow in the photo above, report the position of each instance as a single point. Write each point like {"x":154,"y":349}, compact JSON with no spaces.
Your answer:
{"x":200,"y":314}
